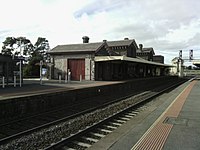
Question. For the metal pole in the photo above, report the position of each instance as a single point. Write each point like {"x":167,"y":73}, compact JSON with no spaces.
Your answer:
{"x":3,"y":82}
{"x":69,"y":75}
{"x":20,"y":68}
{"x":80,"y":77}
{"x":14,"y":81}
{"x":59,"y":78}
{"x":20,"y":73}
{"x":66,"y":78}
{"x":41,"y":63}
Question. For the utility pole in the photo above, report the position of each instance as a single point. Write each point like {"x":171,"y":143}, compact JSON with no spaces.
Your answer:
{"x":41,"y":63}
{"x":20,"y":67}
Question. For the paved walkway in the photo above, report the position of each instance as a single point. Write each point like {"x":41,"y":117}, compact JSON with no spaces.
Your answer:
{"x":156,"y":136}
{"x":173,"y":123}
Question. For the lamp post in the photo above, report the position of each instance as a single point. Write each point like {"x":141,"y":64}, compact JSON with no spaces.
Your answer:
{"x":20,"y":73}
{"x":41,"y":63}
{"x":20,"y":67}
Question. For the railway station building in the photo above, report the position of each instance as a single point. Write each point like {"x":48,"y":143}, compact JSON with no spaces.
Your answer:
{"x":106,"y":60}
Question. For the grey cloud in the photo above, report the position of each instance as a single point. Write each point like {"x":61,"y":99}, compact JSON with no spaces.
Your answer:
{"x":99,"y":6}
{"x":139,"y":31}
{"x":3,"y":34}
{"x":149,"y":22}
{"x":143,"y":31}
{"x":4,"y":31}
{"x":195,"y":40}
{"x":176,"y":12}
{"x":166,"y":45}
{"x":159,"y":17}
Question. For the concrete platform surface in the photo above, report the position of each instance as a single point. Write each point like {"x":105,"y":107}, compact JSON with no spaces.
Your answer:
{"x":33,"y":87}
{"x":172,"y":122}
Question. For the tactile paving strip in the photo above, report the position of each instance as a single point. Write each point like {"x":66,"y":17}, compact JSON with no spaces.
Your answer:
{"x":155,"y":137}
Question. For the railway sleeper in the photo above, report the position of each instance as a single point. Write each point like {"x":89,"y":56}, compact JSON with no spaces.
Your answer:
{"x":110,"y":127}
{"x":90,"y":139}
{"x":106,"y":131}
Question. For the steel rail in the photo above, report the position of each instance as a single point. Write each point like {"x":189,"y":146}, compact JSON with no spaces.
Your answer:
{"x":64,"y":141}
{"x":26,"y":132}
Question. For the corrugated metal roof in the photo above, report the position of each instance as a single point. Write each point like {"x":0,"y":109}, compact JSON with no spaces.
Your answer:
{"x":77,"y":47}
{"x":124,"y":58}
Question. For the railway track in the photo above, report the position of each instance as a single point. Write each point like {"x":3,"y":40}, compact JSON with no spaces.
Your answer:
{"x":20,"y":127}
{"x":92,"y":134}
{"x":86,"y":138}
{"x":53,"y":121}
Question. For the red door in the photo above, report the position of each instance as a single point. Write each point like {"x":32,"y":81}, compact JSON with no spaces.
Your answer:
{"x":77,"y":68}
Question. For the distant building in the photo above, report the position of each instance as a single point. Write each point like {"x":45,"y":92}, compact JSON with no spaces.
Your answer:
{"x":6,"y":68}
{"x":177,"y":66}
{"x":196,"y":63}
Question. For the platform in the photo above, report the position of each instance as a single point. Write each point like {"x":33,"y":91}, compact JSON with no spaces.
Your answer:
{"x":33,"y":98}
{"x":33,"y":87}
{"x":172,"y":123}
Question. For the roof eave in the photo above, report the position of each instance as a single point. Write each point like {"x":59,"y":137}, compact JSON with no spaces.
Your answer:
{"x":70,"y":52}
{"x":109,"y":58}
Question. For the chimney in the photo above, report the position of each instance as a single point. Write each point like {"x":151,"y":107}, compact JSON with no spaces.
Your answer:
{"x":85,"y":39}
{"x":126,"y":39}
{"x":140,"y":46}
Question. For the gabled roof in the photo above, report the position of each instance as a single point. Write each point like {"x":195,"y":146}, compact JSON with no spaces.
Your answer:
{"x":90,"y":47}
{"x":147,"y":50}
{"x":84,"y":47}
{"x":175,"y":59}
{"x":121,"y":43}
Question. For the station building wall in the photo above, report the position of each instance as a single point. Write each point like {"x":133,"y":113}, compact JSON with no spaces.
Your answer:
{"x":61,"y":66}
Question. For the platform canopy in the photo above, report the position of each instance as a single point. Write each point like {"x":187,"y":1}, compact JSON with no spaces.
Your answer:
{"x":196,"y":63}
{"x":124,"y":58}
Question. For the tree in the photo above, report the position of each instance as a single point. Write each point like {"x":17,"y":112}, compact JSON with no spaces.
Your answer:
{"x":21,"y":46}
{"x":26,"y":45}
{"x":39,"y":53}
{"x":41,"y":47}
{"x":17,"y":46}
{"x":33,"y":67}
{"x":7,"y":48}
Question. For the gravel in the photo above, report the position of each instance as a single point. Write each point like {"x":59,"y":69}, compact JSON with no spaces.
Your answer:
{"x":53,"y":134}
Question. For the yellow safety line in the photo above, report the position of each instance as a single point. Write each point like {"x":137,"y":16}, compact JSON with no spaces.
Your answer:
{"x":156,"y":122}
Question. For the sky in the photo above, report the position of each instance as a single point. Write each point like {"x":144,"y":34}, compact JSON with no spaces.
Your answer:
{"x":166,"y":25}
